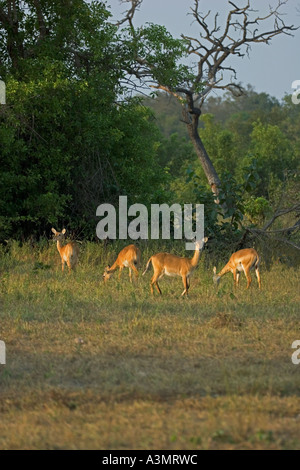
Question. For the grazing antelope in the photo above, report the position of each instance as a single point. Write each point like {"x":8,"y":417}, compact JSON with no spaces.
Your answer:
{"x":68,"y":253}
{"x":129,"y":257}
{"x":242,"y":260}
{"x":172,"y":265}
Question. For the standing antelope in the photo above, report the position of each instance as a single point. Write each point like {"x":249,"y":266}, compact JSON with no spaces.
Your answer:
{"x":172,"y":265}
{"x":68,"y":253}
{"x":129,"y":257}
{"x":242,"y":260}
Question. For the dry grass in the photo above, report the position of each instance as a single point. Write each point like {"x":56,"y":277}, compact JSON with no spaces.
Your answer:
{"x":108,"y":367}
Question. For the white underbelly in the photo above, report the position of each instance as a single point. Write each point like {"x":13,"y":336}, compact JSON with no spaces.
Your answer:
{"x":171,"y":273}
{"x":126,"y":264}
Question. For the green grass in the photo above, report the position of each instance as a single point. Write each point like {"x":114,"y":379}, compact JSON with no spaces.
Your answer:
{"x":110,"y":367}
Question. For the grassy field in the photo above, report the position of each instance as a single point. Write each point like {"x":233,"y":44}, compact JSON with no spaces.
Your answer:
{"x":94,"y":366}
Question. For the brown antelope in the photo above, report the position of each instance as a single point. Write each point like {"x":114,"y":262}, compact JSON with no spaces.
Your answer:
{"x":68,"y":253}
{"x":129,"y":257}
{"x":242,"y":260}
{"x":172,"y":265}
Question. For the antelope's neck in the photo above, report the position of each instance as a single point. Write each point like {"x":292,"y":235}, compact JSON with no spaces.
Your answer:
{"x":196,"y":257}
{"x":113,"y":267}
{"x":59,"y":245}
{"x":225,"y":270}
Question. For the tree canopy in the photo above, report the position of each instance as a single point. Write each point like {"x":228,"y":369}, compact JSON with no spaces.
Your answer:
{"x":74,"y":132}
{"x":68,"y":142}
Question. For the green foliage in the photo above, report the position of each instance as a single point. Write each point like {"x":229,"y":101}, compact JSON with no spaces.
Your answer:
{"x":176,"y":153}
{"x":253,"y":131}
{"x":136,"y":155}
{"x":219,"y":143}
{"x":274,"y":154}
{"x":168,"y":114}
{"x":66,"y":145}
{"x":224,"y":214}
{"x":256,"y":209}
{"x":153,"y":45}
{"x":70,"y":140}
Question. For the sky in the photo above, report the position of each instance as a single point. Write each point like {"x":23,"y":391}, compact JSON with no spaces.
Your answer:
{"x":270,"y":68}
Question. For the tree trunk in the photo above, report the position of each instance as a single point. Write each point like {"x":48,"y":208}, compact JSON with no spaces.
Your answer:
{"x":207,"y":165}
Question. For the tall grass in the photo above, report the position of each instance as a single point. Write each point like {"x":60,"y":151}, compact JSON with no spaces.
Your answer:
{"x":94,"y":365}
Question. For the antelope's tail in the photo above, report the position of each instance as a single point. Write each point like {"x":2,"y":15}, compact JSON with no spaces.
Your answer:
{"x":147,"y":265}
{"x":257,"y":262}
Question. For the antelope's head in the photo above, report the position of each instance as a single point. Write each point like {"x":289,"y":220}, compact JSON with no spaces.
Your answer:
{"x":58,"y":236}
{"x":199,"y":245}
{"x":106,"y":275}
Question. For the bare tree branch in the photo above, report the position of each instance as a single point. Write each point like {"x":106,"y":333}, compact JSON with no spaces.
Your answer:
{"x":273,"y":234}
{"x":279,"y":213}
{"x":129,"y":14}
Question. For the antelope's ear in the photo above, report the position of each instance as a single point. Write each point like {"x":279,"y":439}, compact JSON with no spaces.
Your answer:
{"x":205,"y":239}
{"x":63,"y":231}
{"x":53,"y":230}
{"x":215,"y":270}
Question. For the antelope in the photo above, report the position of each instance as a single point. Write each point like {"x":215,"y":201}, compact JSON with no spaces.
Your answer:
{"x":129,"y":257}
{"x":242,"y":260}
{"x":172,"y":265}
{"x":68,"y":253}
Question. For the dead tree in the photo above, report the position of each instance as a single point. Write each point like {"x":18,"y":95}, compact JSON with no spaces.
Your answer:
{"x":213,"y":49}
